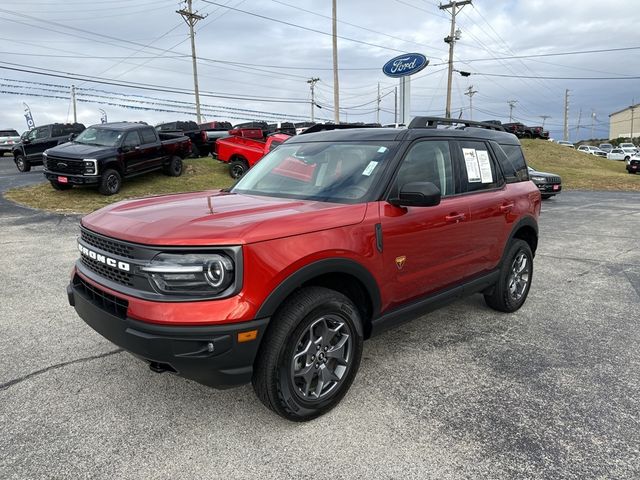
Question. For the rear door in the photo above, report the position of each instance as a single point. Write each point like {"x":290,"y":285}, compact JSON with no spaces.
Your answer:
{"x":483,"y":186}
{"x":151,"y":149}
{"x":425,"y":248}
{"x":131,"y":152}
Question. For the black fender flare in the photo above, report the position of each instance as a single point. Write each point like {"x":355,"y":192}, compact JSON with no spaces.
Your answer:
{"x":527,"y":221}
{"x":315,"y":269}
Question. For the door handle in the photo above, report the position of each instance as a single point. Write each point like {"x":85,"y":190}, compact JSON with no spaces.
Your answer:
{"x":455,"y":217}
{"x":506,"y":207}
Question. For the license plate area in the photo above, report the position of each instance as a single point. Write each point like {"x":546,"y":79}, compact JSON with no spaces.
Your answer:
{"x":63,"y":180}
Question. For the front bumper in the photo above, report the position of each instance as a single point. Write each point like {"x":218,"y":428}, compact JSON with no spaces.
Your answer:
{"x":549,"y":188}
{"x":73,"y":179}
{"x":211,"y":355}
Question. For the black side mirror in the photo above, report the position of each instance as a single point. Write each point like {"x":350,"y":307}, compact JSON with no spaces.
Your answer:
{"x":417,"y":194}
{"x":72,"y":136}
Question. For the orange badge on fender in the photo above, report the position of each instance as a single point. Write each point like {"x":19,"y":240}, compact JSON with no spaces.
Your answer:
{"x":400,"y":261}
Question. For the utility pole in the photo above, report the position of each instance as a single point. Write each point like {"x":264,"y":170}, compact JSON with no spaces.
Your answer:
{"x":566,"y":115}
{"x":593,"y":119}
{"x":512,"y":103}
{"x":336,"y":88}
{"x":312,"y":84}
{"x":455,"y":7}
{"x":395,"y":103}
{"x":191,"y":19}
{"x":470,"y":91}
{"x":633,"y":108}
{"x":73,"y":100}
{"x":378,"y":105}
{"x":544,"y":119}
{"x":578,"y":126}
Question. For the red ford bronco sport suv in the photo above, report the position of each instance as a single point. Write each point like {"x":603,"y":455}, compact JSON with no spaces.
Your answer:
{"x":330,"y":239}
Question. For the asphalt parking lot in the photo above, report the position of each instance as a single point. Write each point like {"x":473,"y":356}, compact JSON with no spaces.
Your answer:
{"x":552,"y":391}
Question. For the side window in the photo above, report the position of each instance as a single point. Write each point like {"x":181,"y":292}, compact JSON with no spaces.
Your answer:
{"x":512,"y":162}
{"x":148,"y":136}
{"x":428,"y":161}
{"x":56,"y":131}
{"x":131,"y":140}
{"x":479,"y":170}
{"x":41,"y":133}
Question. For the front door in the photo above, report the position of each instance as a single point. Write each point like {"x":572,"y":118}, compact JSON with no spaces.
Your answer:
{"x":38,"y":142}
{"x":425,"y":248}
{"x":131,"y":152}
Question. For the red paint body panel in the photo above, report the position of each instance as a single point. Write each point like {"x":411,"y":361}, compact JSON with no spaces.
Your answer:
{"x":250,"y":149}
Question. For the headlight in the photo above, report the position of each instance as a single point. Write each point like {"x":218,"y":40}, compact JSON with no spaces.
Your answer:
{"x":90,"y":166}
{"x":537,"y":179}
{"x":190,"y":274}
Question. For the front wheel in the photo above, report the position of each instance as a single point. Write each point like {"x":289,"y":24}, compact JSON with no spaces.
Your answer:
{"x":546,"y":196}
{"x":22,"y":163}
{"x":513,"y":284}
{"x":310,"y":354}
{"x":110,"y":182}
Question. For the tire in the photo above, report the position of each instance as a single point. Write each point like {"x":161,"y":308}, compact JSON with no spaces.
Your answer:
{"x":60,"y":186}
{"x":512,"y":287}
{"x":195,"y":151}
{"x":238,"y":168}
{"x":626,"y":159}
{"x":311,"y":316}
{"x":110,"y":182}
{"x":22,"y":163}
{"x":175,"y":167}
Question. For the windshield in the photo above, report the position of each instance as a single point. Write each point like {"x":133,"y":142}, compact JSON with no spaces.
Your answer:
{"x":102,"y":137}
{"x":322,"y":171}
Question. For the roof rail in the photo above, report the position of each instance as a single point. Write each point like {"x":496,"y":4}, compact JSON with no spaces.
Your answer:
{"x":322,"y":127}
{"x":434,"y":122}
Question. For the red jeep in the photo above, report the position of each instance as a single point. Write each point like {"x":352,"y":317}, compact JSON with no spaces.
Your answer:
{"x":332,"y":238}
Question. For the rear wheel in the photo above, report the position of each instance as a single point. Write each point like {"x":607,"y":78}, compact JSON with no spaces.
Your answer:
{"x":22,"y":163}
{"x":60,"y":186}
{"x":195,"y":151}
{"x":110,"y":182}
{"x":238,"y":167}
{"x":310,"y":354}
{"x":174,"y":168}
{"x":514,"y":281}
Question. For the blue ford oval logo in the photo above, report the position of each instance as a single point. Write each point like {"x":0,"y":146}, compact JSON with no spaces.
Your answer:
{"x":404,"y":65}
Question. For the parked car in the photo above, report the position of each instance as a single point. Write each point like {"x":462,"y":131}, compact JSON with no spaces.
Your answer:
{"x":105,"y":154}
{"x":605,"y":147}
{"x":592,"y":150}
{"x":334,"y":238}
{"x":517,"y":128}
{"x":549,"y":184}
{"x":214,"y":131}
{"x":245,"y":147}
{"x":633,"y":164}
{"x":564,"y":143}
{"x":29,"y":151}
{"x":8,"y":138}
{"x":200,"y":145}
{"x":536,"y":132}
{"x":628,"y":146}
{"x":618,"y":154}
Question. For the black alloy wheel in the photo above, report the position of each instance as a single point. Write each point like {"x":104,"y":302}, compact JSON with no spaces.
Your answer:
{"x":238,"y":168}
{"x":110,"y":182}
{"x":516,"y":273}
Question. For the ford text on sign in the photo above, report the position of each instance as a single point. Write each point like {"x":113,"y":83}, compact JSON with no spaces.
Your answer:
{"x":404,"y":65}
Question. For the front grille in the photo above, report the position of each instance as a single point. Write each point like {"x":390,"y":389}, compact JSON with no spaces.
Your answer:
{"x":103,"y":300}
{"x":112,"y":246}
{"x":65,"y":165}
{"x":106,"y":271}
{"x":553,"y":179}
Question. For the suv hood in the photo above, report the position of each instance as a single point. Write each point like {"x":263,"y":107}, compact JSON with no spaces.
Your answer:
{"x":218,"y":218}
{"x":80,"y":150}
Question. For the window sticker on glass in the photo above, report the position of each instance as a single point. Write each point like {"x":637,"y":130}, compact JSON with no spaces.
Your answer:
{"x":382,"y":149}
{"x":471,"y":162}
{"x":485,"y":166}
{"x":370,"y":168}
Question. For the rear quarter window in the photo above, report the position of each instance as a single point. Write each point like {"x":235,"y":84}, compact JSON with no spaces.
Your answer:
{"x":514,"y":166}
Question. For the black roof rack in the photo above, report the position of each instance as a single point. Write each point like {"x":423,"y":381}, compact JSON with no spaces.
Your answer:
{"x":434,"y":122}
{"x":323,"y":127}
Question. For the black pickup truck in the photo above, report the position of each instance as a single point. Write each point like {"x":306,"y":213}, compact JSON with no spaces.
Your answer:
{"x":106,"y":153}
{"x":28,"y":152}
{"x":200,"y":145}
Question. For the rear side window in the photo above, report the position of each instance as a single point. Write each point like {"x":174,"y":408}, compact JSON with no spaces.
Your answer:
{"x":479,"y":169}
{"x":148,"y":135}
{"x":56,"y":131}
{"x":513,"y":164}
{"x":131,"y":140}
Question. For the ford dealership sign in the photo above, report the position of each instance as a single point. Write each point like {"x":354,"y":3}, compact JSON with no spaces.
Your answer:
{"x":404,"y":65}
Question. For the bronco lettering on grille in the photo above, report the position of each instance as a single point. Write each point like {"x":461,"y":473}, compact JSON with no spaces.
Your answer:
{"x":111,"y":262}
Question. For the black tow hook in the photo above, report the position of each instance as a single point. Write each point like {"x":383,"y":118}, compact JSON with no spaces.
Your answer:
{"x":160,"y":367}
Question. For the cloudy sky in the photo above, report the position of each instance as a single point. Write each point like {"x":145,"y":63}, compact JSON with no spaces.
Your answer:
{"x":255,"y":59}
